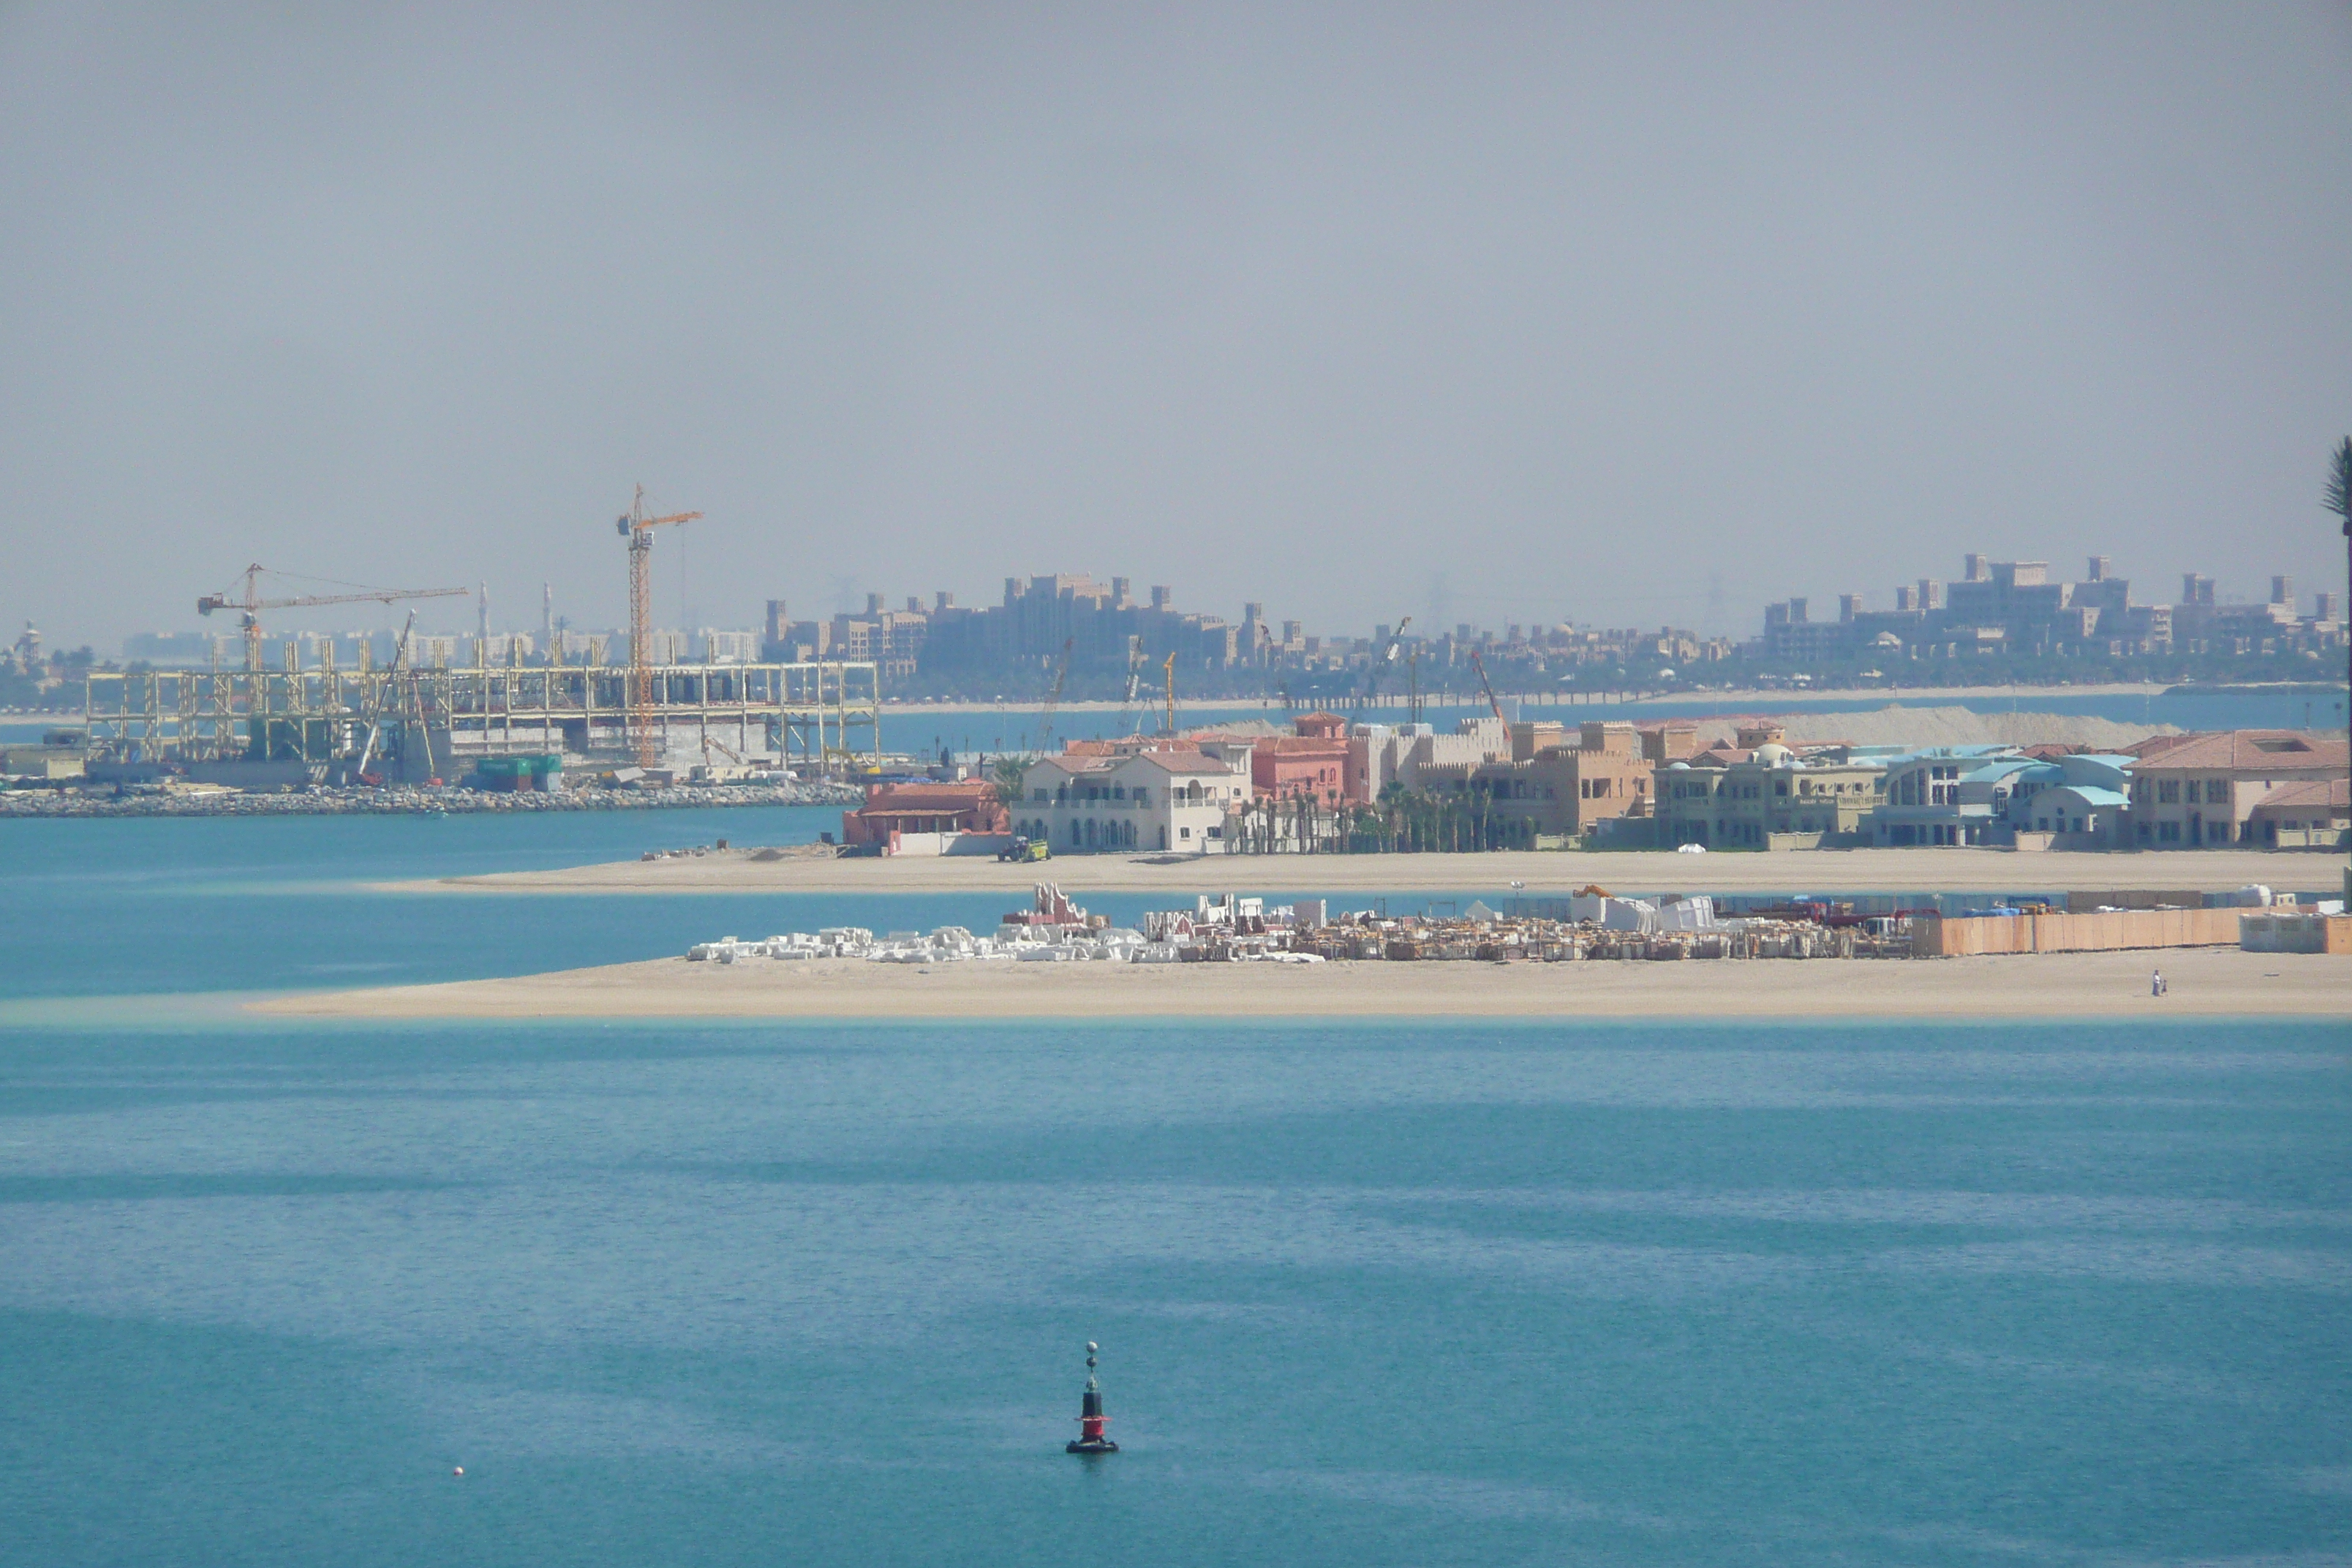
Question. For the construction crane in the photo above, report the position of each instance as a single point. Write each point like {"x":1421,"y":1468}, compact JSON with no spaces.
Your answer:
{"x":1168,"y":669}
{"x":250,"y":602}
{"x":1485,"y":685}
{"x":1128,"y":719}
{"x":638,"y":529}
{"x":1386,"y":657}
{"x":1053,"y":698}
{"x":383,"y":692}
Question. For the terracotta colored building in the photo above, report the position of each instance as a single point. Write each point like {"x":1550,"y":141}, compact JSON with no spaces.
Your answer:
{"x":1311,"y":762}
{"x":967,"y":805}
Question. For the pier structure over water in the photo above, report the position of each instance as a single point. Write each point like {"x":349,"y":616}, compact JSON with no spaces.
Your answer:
{"x":826,"y":716}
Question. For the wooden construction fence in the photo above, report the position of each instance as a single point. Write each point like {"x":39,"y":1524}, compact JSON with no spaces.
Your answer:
{"x":1935,"y":936}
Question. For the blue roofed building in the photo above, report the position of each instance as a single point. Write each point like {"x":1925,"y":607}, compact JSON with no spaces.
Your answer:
{"x":1946,"y":795}
{"x":2078,"y":802}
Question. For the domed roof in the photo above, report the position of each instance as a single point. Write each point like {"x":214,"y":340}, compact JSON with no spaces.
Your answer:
{"x":1772,"y":754}
{"x":1678,"y":767}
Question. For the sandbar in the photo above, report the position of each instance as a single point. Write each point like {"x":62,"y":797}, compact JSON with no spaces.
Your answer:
{"x":2206,"y":982}
{"x":1816,"y":872}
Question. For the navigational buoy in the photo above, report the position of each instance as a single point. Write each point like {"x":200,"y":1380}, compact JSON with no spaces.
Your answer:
{"x":1091,"y":1419}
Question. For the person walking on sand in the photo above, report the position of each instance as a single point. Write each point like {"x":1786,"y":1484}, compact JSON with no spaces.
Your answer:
{"x":2156,"y":984}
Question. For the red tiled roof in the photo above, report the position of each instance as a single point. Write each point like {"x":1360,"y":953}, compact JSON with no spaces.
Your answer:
{"x":942,"y":795}
{"x":1126,"y":745}
{"x":2255,"y":751}
{"x":1188,"y":763}
{"x":2304,"y":794}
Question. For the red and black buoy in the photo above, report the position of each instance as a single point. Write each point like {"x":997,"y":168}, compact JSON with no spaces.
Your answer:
{"x":1091,"y":1419}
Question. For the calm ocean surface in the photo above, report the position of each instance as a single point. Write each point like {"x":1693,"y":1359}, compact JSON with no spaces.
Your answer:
{"x":1724,"y":1293}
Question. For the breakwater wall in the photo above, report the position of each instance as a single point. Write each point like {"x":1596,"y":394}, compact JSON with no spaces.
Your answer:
{"x":24,"y":804}
{"x":1937,"y":936}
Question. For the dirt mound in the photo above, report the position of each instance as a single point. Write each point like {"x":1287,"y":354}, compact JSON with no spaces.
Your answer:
{"x":1895,"y":725}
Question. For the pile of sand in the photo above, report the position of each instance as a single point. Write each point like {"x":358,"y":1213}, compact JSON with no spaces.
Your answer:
{"x":1897,"y":726}
{"x":1892,"y":725}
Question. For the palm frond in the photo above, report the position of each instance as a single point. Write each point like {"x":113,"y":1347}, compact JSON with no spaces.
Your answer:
{"x":2337,"y":497}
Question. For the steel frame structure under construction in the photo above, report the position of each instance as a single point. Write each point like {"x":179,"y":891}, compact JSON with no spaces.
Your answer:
{"x":828,"y":715}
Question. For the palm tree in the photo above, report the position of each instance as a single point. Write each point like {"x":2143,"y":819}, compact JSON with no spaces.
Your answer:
{"x":2337,"y":496}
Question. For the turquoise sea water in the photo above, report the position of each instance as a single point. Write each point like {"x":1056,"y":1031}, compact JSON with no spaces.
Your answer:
{"x":1718,"y":1292}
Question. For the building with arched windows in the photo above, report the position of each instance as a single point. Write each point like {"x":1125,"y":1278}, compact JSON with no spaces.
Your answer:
{"x":1174,"y":800}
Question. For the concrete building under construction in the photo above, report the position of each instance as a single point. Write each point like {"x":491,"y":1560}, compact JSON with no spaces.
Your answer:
{"x":333,"y":725}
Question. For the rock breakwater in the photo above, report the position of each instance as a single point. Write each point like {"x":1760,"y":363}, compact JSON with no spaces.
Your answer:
{"x":321,"y":801}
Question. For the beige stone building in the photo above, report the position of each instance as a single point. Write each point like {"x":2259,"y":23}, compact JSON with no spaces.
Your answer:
{"x":1767,"y":798}
{"x":2188,"y":791}
{"x":1564,"y":788}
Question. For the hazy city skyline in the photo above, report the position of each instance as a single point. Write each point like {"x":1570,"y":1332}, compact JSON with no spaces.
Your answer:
{"x":1641,"y":316}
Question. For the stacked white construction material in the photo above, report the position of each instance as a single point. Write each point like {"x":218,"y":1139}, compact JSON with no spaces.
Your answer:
{"x":1694,"y":912}
{"x":844,"y":941}
{"x":947,"y":944}
{"x":1612,"y":913}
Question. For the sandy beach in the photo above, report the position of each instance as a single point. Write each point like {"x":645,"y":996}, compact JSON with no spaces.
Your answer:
{"x":1819,"y":872}
{"x":2204,"y":980}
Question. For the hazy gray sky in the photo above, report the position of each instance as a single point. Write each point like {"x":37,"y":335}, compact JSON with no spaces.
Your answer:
{"x":1635,"y":314}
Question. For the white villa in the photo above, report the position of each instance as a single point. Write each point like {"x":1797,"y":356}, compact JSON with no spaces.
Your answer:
{"x":1175,"y":800}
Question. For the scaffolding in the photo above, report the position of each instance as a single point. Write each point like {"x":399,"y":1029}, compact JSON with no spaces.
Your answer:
{"x":825,"y":716}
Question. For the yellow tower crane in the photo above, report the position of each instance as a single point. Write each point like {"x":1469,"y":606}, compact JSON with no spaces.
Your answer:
{"x":250,"y":604}
{"x":638,"y":529}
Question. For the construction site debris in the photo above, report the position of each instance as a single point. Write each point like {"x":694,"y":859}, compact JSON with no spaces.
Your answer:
{"x":1223,"y":928}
